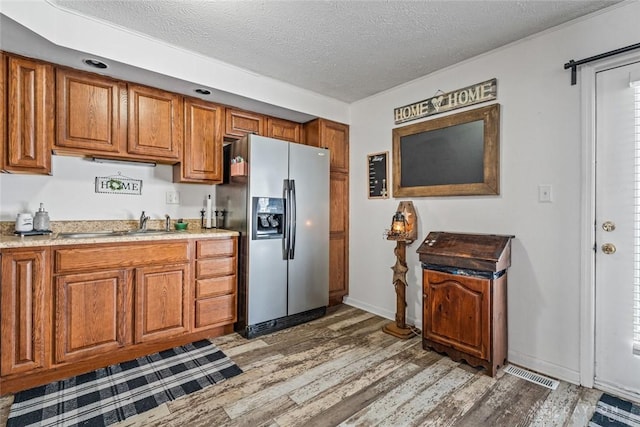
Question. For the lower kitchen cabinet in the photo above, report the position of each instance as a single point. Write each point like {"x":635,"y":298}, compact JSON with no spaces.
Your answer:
{"x":215,"y":294}
{"x":72,"y":309}
{"x":92,"y":314}
{"x":25,"y":280}
{"x":162,"y":302}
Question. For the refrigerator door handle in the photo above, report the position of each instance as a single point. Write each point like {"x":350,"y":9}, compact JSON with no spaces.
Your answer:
{"x":292,"y":244}
{"x":286,"y":239}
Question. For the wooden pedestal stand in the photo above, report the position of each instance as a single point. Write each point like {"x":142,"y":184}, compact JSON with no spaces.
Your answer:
{"x":400,"y":329}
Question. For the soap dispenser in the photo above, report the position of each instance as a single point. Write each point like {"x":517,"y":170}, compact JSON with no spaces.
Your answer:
{"x":41,"y":219}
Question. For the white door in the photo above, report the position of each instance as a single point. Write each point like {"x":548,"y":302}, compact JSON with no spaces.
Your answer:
{"x":617,"y":232}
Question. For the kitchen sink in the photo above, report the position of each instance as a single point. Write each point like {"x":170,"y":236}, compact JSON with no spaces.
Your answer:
{"x":90,"y":234}
{"x":98,"y":234}
{"x":150,"y":231}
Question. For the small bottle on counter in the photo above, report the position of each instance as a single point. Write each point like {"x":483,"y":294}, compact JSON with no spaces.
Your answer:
{"x":41,"y":219}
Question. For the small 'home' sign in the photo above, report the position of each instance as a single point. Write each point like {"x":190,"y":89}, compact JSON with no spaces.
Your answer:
{"x":470,"y":95}
{"x":118,"y":185}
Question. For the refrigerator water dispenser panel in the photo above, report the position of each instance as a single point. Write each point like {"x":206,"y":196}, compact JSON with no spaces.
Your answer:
{"x":268,"y":218}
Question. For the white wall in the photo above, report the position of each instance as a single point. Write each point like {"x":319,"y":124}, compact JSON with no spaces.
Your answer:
{"x":70,"y":193}
{"x":540,"y":144}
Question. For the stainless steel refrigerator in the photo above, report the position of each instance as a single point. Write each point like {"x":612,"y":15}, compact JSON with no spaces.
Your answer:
{"x":281,"y":209}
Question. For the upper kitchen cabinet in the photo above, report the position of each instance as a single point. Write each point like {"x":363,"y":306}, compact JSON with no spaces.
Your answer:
{"x":202,"y":152}
{"x":239,"y":123}
{"x":155,"y":124}
{"x":91,"y":113}
{"x":284,"y":129}
{"x":29,"y":101}
{"x":332,"y":135}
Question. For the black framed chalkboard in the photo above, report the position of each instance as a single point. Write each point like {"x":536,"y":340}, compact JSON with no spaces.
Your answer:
{"x":377,"y":165}
{"x":454,"y":155}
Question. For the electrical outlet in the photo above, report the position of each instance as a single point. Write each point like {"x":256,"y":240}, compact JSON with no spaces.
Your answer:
{"x":544,"y":193}
{"x":172,"y":198}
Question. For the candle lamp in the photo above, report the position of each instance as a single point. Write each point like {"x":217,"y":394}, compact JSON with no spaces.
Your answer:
{"x":404,"y":231}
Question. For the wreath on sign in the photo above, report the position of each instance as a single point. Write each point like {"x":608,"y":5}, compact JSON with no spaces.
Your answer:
{"x":115,"y":185}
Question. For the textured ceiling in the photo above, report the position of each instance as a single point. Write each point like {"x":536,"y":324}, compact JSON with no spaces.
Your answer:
{"x":346,"y":50}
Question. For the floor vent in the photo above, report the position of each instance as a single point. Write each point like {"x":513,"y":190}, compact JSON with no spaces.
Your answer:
{"x":532,"y":377}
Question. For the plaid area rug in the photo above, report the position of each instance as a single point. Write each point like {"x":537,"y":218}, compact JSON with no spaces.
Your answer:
{"x":114,"y":393}
{"x":615,"y":412}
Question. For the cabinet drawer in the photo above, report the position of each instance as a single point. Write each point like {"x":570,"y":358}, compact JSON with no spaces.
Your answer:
{"x":212,"y":311}
{"x":215,"y":286}
{"x":97,"y":257}
{"x":215,"y":267}
{"x":215,"y":248}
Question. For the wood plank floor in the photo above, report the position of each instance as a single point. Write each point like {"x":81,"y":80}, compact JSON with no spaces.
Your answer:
{"x":343,"y":370}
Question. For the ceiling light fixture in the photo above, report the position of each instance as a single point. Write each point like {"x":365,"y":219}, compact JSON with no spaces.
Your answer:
{"x":203,"y":91}
{"x":95,"y":63}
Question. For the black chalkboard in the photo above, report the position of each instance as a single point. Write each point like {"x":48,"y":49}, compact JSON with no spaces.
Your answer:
{"x":377,"y":165}
{"x":452,"y":155}
{"x":455,"y":155}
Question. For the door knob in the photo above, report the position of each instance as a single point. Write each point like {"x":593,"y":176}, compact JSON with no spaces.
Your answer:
{"x":608,"y":248}
{"x":608,"y":226}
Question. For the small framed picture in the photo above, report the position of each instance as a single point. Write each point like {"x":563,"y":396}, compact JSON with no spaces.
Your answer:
{"x":378,"y":167}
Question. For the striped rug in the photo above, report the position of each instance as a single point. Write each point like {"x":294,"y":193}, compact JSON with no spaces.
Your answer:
{"x":112,"y":394}
{"x":615,"y":412}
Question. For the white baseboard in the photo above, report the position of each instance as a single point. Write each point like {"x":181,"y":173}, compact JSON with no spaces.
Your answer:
{"x":546,"y":368}
{"x":379,"y":311}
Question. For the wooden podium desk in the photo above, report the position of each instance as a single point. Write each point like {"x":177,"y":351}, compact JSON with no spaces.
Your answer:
{"x":464,"y":305}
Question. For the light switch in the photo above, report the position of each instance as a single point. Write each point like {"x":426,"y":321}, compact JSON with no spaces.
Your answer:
{"x":545,"y":193}
{"x":172,"y":198}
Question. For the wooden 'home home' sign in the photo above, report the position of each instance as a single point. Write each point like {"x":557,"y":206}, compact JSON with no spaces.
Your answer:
{"x":470,"y":95}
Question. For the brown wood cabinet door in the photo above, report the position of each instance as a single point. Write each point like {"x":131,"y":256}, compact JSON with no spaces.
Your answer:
{"x":25,"y":280}
{"x":92,"y":314}
{"x":332,"y":135}
{"x":456,"y":312}
{"x":162,"y":302}
{"x":339,"y":237}
{"x":239,"y":123}
{"x":3,"y":109}
{"x":338,"y":269}
{"x":30,"y":116}
{"x":202,"y":156}
{"x":155,"y":123}
{"x":91,"y":112}
{"x":284,"y":129}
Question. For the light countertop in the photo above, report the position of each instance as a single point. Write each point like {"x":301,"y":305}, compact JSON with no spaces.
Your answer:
{"x":9,"y":240}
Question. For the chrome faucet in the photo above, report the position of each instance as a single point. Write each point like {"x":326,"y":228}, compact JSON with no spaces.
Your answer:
{"x":167,"y":222}
{"x":143,"y":222}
